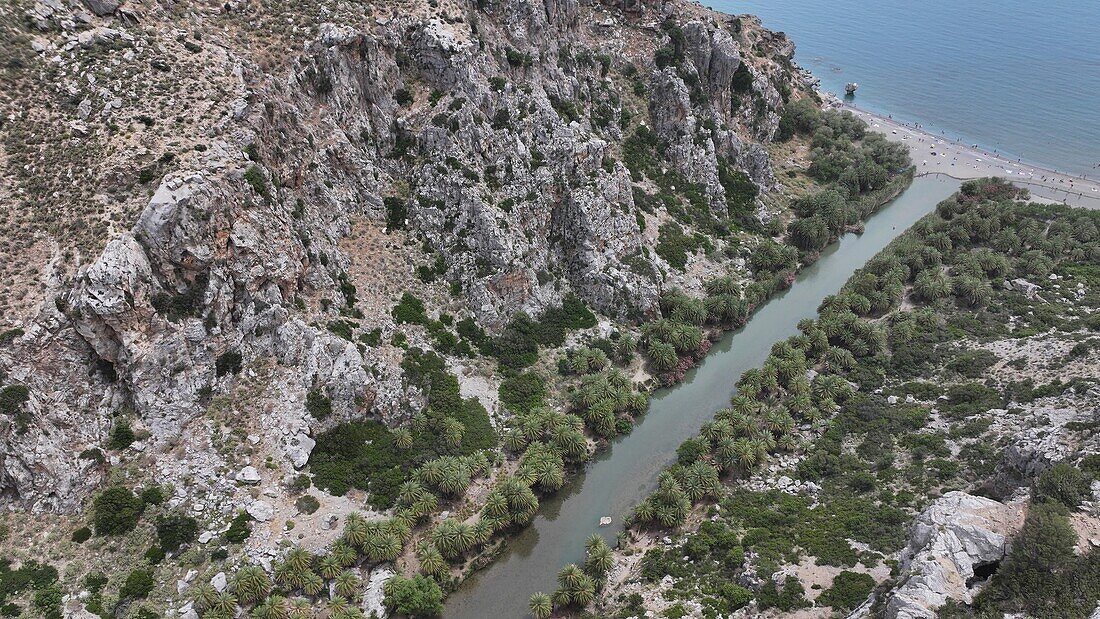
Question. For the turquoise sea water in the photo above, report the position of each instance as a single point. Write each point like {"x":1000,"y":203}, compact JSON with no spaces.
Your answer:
{"x":1019,"y":76}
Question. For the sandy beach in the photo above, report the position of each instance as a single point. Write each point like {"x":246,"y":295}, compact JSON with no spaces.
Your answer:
{"x":940,"y":154}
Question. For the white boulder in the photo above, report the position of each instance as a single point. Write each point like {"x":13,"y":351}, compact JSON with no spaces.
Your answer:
{"x":948,"y":540}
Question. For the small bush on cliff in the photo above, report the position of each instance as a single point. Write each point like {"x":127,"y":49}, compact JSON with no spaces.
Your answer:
{"x":12,"y":399}
{"x":229,"y":362}
{"x":318,"y":404}
{"x":175,"y":530}
{"x":1063,"y":483}
{"x":116,"y":511}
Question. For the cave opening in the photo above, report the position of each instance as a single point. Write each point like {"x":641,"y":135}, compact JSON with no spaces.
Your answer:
{"x":982,"y":573}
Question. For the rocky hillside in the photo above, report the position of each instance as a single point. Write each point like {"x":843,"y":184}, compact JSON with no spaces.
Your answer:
{"x":193,"y":189}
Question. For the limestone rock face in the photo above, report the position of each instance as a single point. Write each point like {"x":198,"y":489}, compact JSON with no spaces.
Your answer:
{"x":503,"y":143}
{"x":103,"y":7}
{"x":950,"y":538}
{"x":374,"y":596}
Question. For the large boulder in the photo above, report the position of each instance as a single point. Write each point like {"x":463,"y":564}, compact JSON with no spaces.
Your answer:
{"x":954,"y":543}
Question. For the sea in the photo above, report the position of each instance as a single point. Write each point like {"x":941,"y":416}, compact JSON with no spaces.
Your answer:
{"x":1021,"y":77}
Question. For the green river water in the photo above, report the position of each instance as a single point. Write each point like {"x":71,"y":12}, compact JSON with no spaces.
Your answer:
{"x":616,"y":479}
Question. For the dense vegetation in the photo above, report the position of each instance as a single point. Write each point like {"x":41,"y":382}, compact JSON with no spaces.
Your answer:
{"x":877,"y":458}
{"x":369,"y":456}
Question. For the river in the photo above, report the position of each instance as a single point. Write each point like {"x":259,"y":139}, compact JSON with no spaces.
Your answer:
{"x":617,"y":478}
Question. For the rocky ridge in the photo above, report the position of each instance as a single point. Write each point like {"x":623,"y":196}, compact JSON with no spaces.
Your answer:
{"x":236,"y":252}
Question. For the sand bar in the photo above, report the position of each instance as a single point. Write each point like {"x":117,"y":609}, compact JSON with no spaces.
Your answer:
{"x":939,"y":154}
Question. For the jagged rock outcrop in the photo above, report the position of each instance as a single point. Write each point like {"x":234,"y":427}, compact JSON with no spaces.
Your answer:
{"x":500,"y":139}
{"x":950,"y":539}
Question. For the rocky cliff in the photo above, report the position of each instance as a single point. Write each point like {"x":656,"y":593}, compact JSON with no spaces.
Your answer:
{"x":219,"y":160}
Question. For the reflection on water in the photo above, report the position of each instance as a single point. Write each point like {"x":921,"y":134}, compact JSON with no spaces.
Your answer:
{"x":613,"y":482}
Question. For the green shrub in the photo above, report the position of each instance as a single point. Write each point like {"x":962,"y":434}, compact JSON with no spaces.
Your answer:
{"x":12,"y":399}
{"x":372,"y":337}
{"x":139,"y":583}
{"x":82,"y":535}
{"x":971,"y":399}
{"x":239,"y":528}
{"x":518,"y":345}
{"x":397,"y":211}
{"x":972,"y":363}
{"x":175,"y":530}
{"x":1063,"y":483}
{"x":307,"y":504}
{"x":318,"y":404}
{"x":152,"y":495}
{"x":47,"y":601}
{"x":1041,"y":575}
{"x":523,"y":392}
{"x":849,"y":590}
{"x":341,"y":328}
{"x":409,"y":310}
{"x":229,"y":362}
{"x":418,"y":596}
{"x":254,"y":176}
{"x":122,"y":436}
{"x":116,"y":511}
{"x":10,"y":336}
{"x":674,"y":245}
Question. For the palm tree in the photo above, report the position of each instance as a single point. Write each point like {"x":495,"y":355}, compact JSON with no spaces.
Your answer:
{"x":699,"y":480}
{"x":838,"y":358}
{"x":223,"y":602}
{"x":743,"y":404}
{"x":275,"y":607}
{"x":452,"y":430}
{"x":973,"y":291}
{"x":496,"y":505}
{"x":300,"y":608}
{"x":204,"y":596}
{"x":355,"y":530}
{"x":482,"y":530}
{"x":402,"y":438}
{"x":725,"y":453}
{"x":656,"y":331}
{"x":626,"y":346}
{"x":312,"y":584}
{"x":598,"y":560}
{"x":540,"y":606}
{"x":932,"y":285}
{"x":329,"y":566}
{"x":250,"y":584}
{"x":721,"y":285}
{"x":571,"y":443}
{"x":690,"y":311}
{"x":778,"y":422}
{"x":431,"y":561}
{"x":347,"y":584}
{"x":570,"y":577}
{"x":381,"y":544}
{"x":603,"y":423}
{"x":715,"y":431}
{"x":337,"y":605}
{"x":686,"y":338}
{"x":345,"y":555}
{"x":662,"y":355}
{"x":452,"y":537}
{"x":747,"y":452}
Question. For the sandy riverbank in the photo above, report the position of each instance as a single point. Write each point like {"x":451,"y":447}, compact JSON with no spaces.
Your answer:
{"x":938,"y":154}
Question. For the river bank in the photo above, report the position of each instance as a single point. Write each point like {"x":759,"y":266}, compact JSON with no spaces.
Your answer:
{"x":623,"y":474}
{"x":940,"y":154}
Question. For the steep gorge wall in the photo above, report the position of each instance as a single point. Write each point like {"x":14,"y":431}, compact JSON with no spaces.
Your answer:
{"x":507,"y":155}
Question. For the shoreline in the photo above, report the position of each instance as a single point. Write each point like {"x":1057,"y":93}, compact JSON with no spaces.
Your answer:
{"x":966,"y":162}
